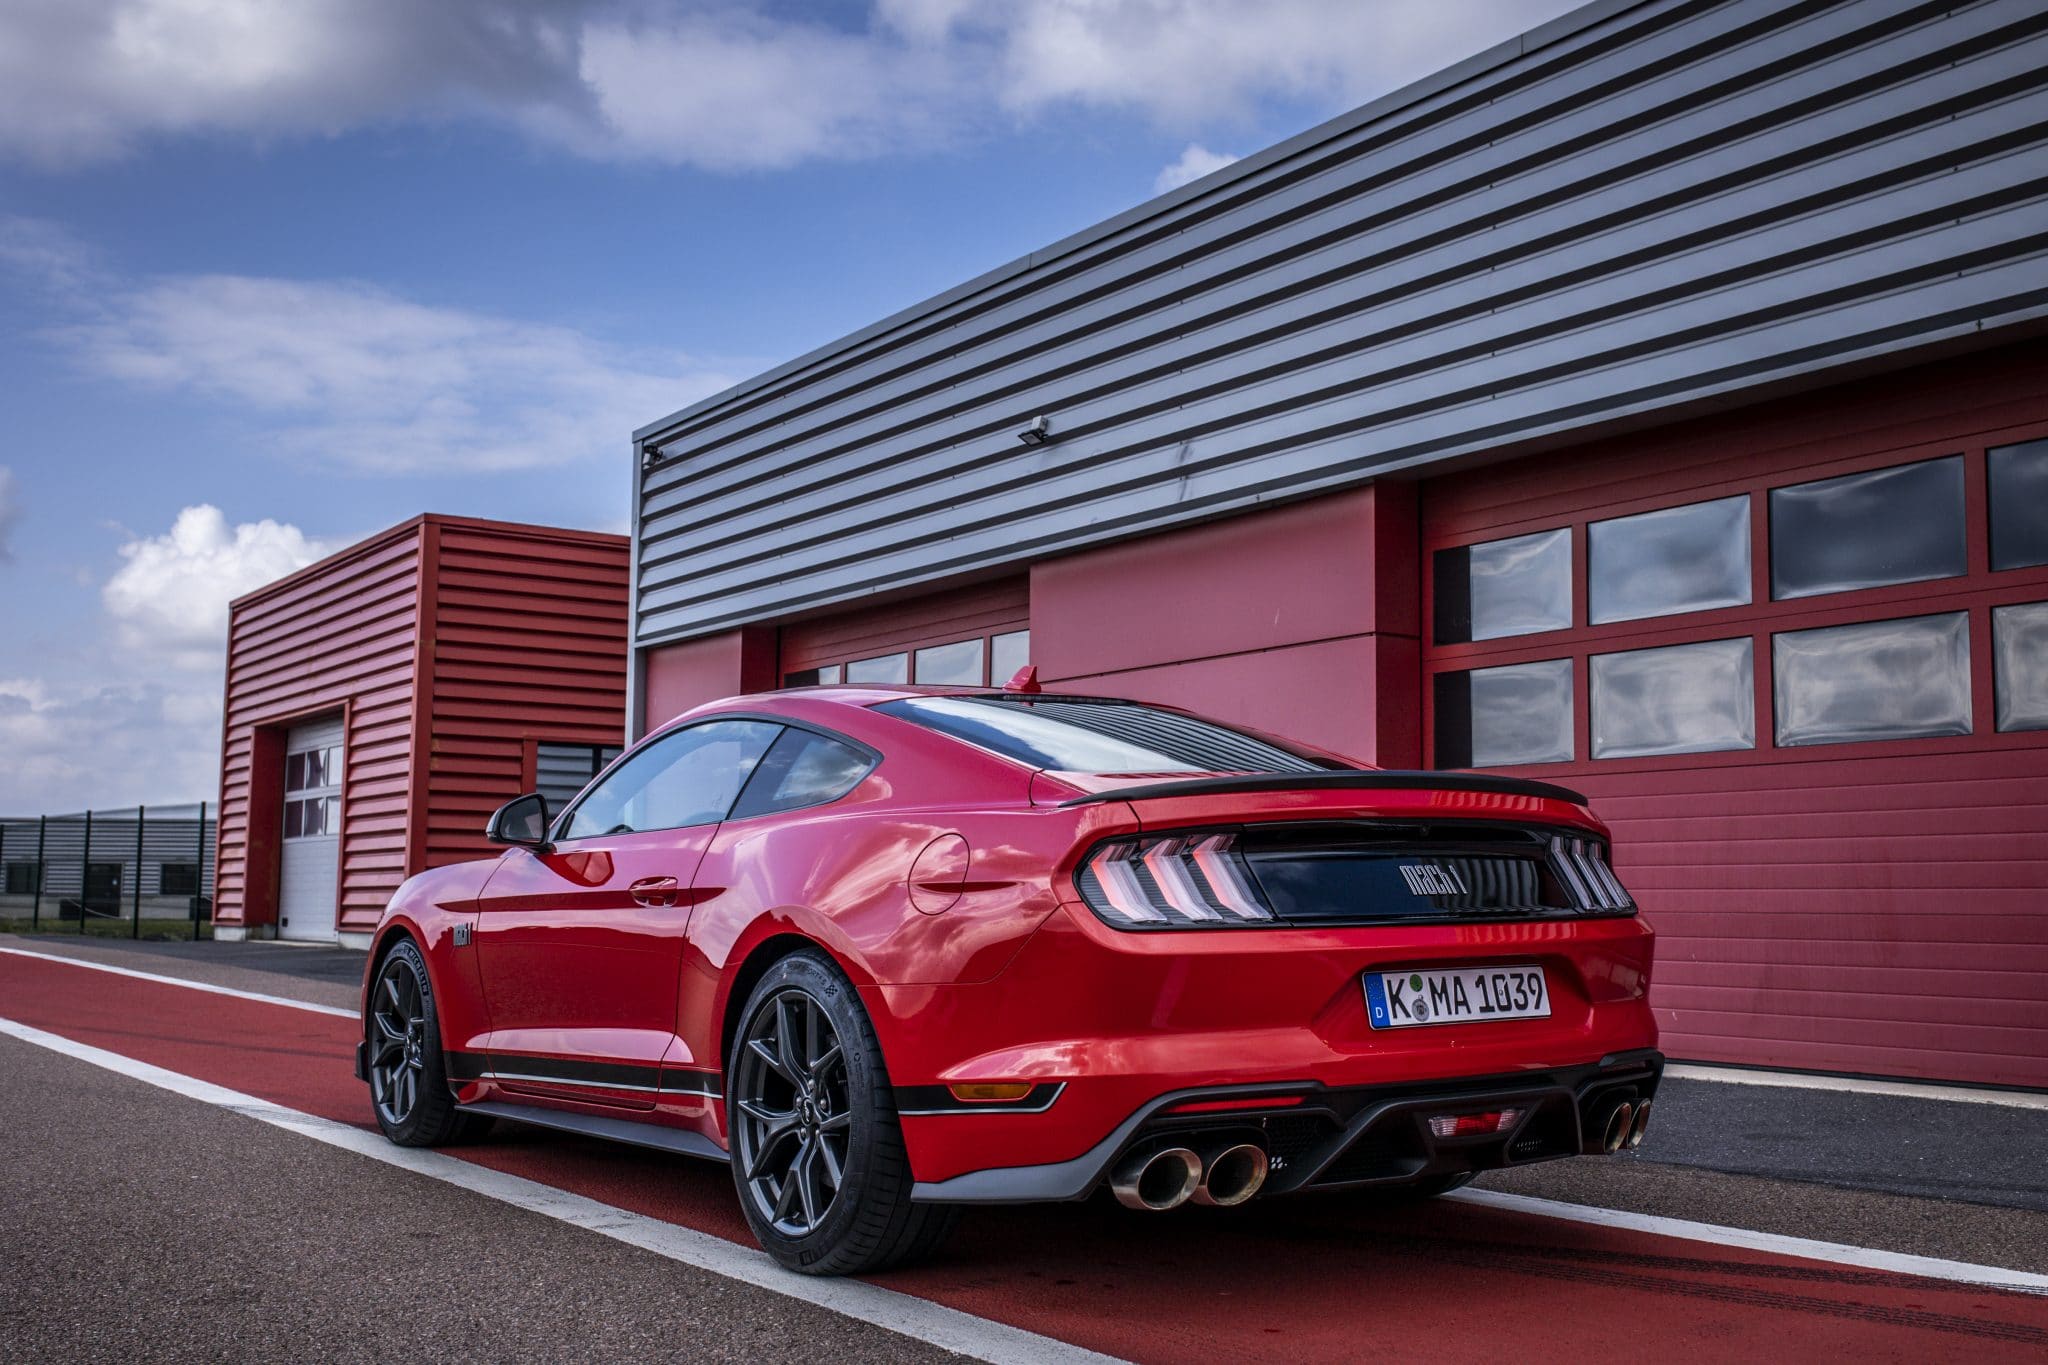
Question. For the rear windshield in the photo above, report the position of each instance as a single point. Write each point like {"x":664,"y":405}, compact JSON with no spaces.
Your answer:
{"x":1090,"y":735}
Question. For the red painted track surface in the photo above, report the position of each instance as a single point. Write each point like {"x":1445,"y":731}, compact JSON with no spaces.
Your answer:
{"x":1309,"y":1280}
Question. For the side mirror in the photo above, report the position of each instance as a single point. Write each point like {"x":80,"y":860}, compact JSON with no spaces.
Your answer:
{"x":522,"y":821}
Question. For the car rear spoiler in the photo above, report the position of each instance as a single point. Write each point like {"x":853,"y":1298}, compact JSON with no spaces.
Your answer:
{"x":1380,"y":780}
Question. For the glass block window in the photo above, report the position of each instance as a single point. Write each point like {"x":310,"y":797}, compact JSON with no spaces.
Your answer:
{"x":1504,"y":587}
{"x":889,"y":668}
{"x":954,"y":665}
{"x":1007,"y":654}
{"x":2019,"y":645}
{"x":1675,"y":559}
{"x":2019,"y":505}
{"x":1904,"y":679}
{"x":1685,"y":699}
{"x":1866,"y":530}
{"x":1497,"y":717}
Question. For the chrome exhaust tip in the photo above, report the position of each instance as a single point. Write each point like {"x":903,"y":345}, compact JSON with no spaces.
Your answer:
{"x":1234,"y":1175}
{"x":1156,"y":1181}
{"x":1640,"y":1126}
{"x":1615,"y":1131}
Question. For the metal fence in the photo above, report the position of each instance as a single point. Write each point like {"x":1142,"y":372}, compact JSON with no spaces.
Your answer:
{"x":145,"y":872}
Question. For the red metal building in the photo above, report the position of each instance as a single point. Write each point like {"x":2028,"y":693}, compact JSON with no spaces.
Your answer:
{"x":382,"y":702}
{"x":1824,"y":900}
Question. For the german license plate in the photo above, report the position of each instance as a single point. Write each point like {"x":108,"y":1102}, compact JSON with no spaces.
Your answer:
{"x":1461,"y":995}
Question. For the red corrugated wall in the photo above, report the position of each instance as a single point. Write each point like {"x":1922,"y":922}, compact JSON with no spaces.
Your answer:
{"x":1871,"y":907}
{"x":335,"y":637}
{"x":525,"y":642}
{"x":453,"y":647}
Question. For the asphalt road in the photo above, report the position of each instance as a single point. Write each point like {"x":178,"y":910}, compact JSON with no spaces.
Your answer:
{"x":143,"y":1224}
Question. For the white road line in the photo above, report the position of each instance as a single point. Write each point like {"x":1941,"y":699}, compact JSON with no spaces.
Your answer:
{"x":1909,"y":1090}
{"x":1899,"y":1262}
{"x":947,"y":1328}
{"x":335,"y":1010}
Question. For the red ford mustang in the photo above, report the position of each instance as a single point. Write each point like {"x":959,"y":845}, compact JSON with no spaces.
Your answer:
{"x":891,"y":951}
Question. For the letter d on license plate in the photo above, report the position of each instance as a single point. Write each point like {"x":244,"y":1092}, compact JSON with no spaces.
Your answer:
{"x":1461,"y":995}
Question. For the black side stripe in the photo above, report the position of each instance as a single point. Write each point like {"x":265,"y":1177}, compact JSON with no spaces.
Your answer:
{"x":476,"y":1066}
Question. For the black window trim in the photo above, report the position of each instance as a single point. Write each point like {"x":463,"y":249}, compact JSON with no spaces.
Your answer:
{"x":558,"y":827}
{"x":866,"y":751}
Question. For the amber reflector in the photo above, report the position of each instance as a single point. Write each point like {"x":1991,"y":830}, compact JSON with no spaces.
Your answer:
{"x":984,"y":1092}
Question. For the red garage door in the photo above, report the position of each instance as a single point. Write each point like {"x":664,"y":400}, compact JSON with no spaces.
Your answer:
{"x":1799,"y":659}
{"x":970,"y":636}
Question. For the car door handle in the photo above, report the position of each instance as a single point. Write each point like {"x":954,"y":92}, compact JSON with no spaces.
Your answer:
{"x":655,"y":890}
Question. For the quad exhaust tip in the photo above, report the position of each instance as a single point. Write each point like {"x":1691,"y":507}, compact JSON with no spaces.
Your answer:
{"x":1157,"y":1181}
{"x":1233,"y":1175}
{"x":1615,"y":1131}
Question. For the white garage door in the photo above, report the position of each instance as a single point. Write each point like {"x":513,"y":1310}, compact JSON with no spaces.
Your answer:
{"x":312,"y":831}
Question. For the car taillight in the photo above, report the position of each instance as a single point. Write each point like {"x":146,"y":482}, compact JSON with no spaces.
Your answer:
{"x":1582,"y":863}
{"x":1175,"y":881}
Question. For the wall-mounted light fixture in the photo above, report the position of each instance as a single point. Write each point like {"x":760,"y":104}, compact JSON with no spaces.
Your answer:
{"x":1038,"y":433}
{"x":650,"y":456}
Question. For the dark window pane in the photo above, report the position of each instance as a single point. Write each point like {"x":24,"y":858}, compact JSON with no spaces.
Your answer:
{"x":294,"y":819}
{"x":1897,"y":525}
{"x":889,"y":668}
{"x":22,"y":878}
{"x":178,"y":879}
{"x":1495,"y":717}
{"x":802,"y":768}
{"x":1675,"y":559}
{"x":1007,"y":654}
{"x":295,"y":772}
{"x":685,"y":777}
{"x":2019,"y":505}
{"x":811,"y":677}
{"x":1084,"y":735}
{"x":2019,"y":641}
{"x":1504,"y":587}
{"x":1873,"y":680}
{"x":1688,"y":699}
{"x":954,"y":665}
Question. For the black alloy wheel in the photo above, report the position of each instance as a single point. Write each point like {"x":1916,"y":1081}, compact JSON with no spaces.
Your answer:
{"x":817,"y":1148}
{"x":794,"y":1122}
{"x":408,"y":1076}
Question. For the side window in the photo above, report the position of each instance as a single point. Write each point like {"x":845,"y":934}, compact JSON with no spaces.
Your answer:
{"x":689,"y":777}
{"x":803,"y":769}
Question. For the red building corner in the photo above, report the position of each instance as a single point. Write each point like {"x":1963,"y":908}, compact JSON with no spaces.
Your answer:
{"x":382,"y":702}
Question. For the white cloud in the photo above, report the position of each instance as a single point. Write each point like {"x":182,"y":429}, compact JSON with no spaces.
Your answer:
{"x":106,"y":745}
{"x":714,"y":83}
{"x":10,"y":512}
{"x":168,"y":602}
{"x":1194,"y":163}
{"x":380,"y":382}
{"x":82,"y":79}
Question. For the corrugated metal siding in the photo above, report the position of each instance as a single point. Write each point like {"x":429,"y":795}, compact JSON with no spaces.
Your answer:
{"x":339,"y":637}
{"x":1651,"y":205}
{"x":1875,"y":907}
{"x":528,"y":642}
{"x":171,"y":837}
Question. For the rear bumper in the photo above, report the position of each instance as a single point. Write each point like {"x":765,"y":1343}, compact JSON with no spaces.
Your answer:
{"x":1319,"y":1138}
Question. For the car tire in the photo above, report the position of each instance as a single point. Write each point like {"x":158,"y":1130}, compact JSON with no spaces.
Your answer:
{"x":408,"y":1073}
{"x":807,"y":1093}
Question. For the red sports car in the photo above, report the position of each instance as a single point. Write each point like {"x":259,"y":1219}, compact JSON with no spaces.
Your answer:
{"x":893,"y":950}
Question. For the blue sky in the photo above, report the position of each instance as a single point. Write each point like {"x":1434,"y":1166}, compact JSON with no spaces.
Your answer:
{"x":274,"y":276}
